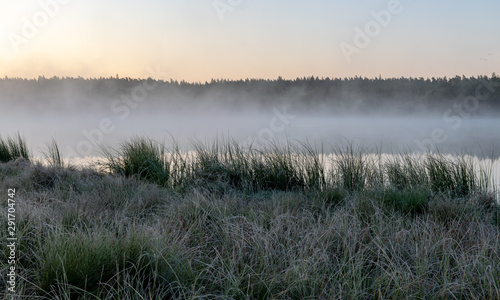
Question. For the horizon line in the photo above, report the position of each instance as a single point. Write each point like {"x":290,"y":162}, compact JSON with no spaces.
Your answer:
{"x":117,"y":77}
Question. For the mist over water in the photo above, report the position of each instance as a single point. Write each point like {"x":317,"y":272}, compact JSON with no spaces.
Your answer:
{"x":83,"y":116}
{"x":477,"y":136}
{"x":379,"y":114}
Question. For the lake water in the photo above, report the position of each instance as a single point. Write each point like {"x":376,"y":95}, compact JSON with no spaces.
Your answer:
{"x":81,"y":135}
{"x":481,"y":164}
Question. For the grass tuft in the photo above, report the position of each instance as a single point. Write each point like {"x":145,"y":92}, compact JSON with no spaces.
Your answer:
{"x":53,"y":155}
{"x":350,"y":168}
{"x":414,"y":201}
{"x":12,"y":148}
{"x":142,"y":158}
{"x":88,"y":262}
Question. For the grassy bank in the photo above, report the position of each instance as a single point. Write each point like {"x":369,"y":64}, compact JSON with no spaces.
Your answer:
{"x":229,"y":223}
{"x":226,"y":164}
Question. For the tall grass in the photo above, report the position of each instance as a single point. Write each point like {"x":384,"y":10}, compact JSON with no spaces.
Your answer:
{"x":53,"y":155}
{"x":141,"y":157}
{"x":350,"y":168}
{"x":458,"y":177}
{"x":227,"y":222}
{"x":221,"y":163}
{"x":406,"y":171}
{"x":282,"y":245}
{"x":275,"y":167}
{"x":225,"y":164}
{"x":13,"y":147}
{"x":82,"y":261}
{"x":278,"y":168}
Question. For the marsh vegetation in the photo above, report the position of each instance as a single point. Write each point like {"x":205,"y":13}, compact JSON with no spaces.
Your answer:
{"x":228,"y":222}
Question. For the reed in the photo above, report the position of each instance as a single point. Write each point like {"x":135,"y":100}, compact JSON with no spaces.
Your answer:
{"x":142,"y":158}
{"x":13,"y":147}
{"x":53,"y":155}
{"x":224,"y":164}
{"x":227,"y":222}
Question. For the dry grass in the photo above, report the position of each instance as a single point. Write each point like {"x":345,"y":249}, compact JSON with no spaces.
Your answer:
{"x":86,"y":234}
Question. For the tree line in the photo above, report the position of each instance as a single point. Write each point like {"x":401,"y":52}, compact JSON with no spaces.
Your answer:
{"x":352,"y":94}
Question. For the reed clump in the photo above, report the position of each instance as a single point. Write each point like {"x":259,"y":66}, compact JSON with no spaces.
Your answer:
{"x":227,"y":222}
{"x":226,"y":164}
{"x":143,"y":158}
{"x":13,"y":147}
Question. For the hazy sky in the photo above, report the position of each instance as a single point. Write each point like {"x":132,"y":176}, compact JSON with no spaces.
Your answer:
{"x":197,"y":40}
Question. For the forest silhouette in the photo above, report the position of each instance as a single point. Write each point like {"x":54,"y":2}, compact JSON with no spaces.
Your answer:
{"x":333,"y":96}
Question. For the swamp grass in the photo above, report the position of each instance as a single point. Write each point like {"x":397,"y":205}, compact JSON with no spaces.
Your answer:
{"x":12,"y":148}
{"x":224,"y":222}
{"x":296,"y":168}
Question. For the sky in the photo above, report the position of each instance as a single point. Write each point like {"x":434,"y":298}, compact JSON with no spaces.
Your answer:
{"x":197,"y":40}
